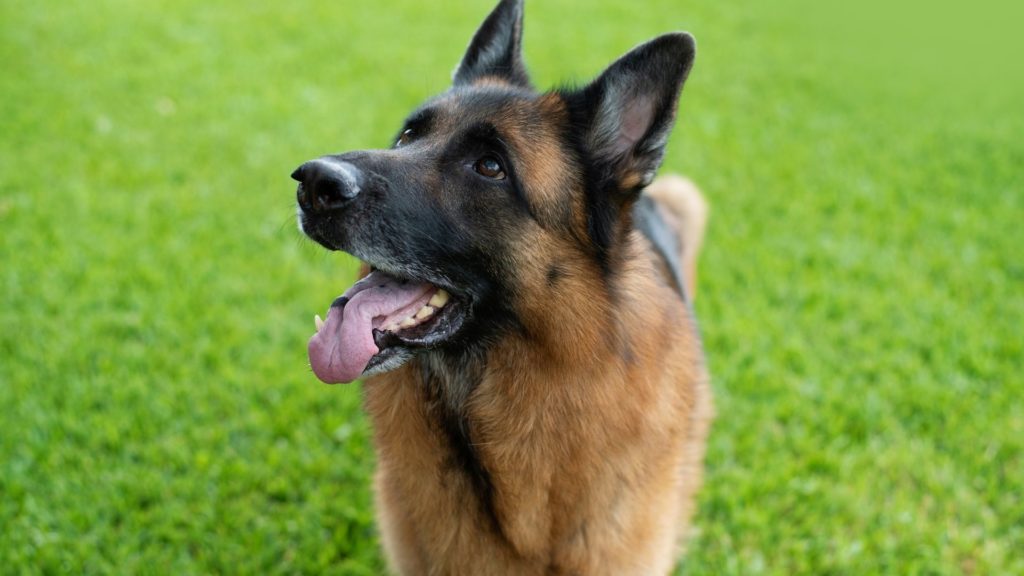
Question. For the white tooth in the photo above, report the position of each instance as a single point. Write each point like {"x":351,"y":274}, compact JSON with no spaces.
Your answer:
{"x":424,"y":312}
{"x":440,"y":298}
{"x":319,"y":323}
{"x":408,"y":323}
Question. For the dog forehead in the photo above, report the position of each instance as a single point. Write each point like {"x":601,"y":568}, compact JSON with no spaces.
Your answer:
{"x":506,"y":107}
{"x":532,"y":128}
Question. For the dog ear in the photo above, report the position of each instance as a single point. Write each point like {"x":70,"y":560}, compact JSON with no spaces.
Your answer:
{"x":628,"y":112}
{"x":496,"y":48}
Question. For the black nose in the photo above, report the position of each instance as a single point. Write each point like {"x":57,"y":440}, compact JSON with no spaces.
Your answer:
{"x":326,"y":184}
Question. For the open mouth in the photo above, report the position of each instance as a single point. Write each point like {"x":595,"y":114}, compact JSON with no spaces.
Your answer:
{"x":377,"y":323}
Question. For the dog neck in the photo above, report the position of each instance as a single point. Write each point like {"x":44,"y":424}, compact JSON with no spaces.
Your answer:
{"x":484,"y":437}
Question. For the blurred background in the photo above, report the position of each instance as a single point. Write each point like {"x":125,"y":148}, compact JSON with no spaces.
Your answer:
{"x":860,"y":294}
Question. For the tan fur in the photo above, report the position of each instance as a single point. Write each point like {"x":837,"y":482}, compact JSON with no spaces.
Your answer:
{"x":491,"y":81}
{"x":591,"y":424}
{"x":541,"y":150}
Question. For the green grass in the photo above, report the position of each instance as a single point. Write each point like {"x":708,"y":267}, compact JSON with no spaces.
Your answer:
{"x":861,"y":291}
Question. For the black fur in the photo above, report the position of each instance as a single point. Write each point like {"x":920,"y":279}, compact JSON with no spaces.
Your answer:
{"x":555,"y":273}
{"x":448,"y":417}
{"x":496,"y":48}
{"x":653,"y":71}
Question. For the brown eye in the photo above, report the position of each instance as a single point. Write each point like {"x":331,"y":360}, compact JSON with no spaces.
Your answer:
{"x":490,"y":167}
{"x":405,"y":138}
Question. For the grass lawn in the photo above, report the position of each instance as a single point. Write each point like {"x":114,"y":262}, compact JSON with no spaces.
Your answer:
{"x":861,"y":297}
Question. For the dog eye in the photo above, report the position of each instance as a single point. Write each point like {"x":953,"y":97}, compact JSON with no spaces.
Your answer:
{"x":490,"y":167}
{"x":405,"y":138}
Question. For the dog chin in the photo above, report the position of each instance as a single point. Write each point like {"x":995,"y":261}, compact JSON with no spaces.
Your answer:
{"x":390,"y":359}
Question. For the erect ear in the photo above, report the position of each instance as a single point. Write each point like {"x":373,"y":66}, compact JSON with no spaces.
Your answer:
{"x":631,"y":107}
{"x":496,"y":48}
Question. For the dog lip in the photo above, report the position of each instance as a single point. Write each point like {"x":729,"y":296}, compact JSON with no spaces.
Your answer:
{"x":314,"y":235}
{"x":431,"y":332}
{"x":445,"y":325}
{"x":313,"y":227}
{"x":380,"y":357}
{"x":442,"y":327}
{"x":418,"y":276}
{"x":344,"y":343}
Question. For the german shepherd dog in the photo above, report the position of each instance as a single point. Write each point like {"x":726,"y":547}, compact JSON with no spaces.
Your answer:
{"x":533,"y":372}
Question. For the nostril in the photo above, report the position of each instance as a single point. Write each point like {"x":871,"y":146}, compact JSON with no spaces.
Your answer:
{"x":331,"y":192}
{"x":326,"y":184}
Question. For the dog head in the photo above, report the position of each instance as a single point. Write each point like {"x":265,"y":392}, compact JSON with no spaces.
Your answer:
{"x":494,"y":203}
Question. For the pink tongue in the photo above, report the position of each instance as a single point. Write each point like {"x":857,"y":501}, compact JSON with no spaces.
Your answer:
{"x":341,"y":349}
